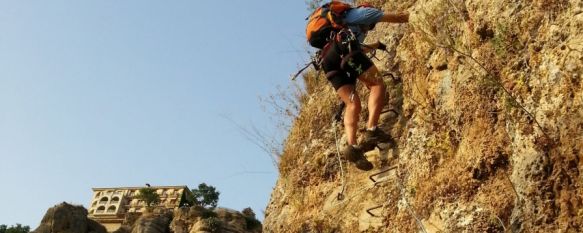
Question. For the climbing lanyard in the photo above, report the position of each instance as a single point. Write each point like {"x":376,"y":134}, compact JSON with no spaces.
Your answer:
{"x":315,"y":60}
{"x":335,"y":121}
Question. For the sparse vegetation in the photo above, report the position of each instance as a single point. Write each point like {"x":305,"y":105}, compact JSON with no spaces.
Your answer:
{"x":18,"y":228}
{"x":250,"y":219}
{"x":206,"y":213}
{"x":500,"y":40}
{"x":149,"y":196}
{"x":214,"y":224}
{"x":469,"y":138}
{"x":206,"y":196}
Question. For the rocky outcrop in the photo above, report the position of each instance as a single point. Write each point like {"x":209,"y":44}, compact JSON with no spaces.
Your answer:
{"x":489,"y":96}
{"x":153,"y":223}
{"x":67,"y":218}
{"x":200,"y":220}
{"x":193,"y":220}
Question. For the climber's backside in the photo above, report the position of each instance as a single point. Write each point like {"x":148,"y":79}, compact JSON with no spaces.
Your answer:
{"x":338,"y":30}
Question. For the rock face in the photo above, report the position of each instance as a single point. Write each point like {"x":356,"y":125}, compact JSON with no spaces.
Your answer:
{"x":192,"y":220}
{"x":66,"y":218}
{"x":153,"y":223}
{"x":199,"y":220}
{"x":488,"y":130}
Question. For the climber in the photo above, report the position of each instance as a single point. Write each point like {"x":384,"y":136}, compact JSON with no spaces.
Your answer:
{"x":344,"y":61}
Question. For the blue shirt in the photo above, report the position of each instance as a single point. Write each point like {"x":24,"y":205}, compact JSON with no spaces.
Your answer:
{"x":362,"y":16}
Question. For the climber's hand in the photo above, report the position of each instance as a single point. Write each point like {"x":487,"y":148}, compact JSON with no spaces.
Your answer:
{"x":402,"y":17}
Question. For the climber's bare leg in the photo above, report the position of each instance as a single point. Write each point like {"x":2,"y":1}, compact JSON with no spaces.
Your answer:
{"x":376,"y":100}
{"x":351,"y":113}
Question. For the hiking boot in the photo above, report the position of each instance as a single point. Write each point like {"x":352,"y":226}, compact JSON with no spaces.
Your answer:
{"x":352,"y":153}
{"x":356,"y":156}
{"x":364,"y":164}
{"x":372,"y":138}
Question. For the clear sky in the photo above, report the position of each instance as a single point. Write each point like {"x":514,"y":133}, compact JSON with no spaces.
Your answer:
{"x":103,"y":93}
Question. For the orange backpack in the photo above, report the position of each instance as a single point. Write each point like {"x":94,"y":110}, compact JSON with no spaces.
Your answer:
{"x":324,"y":20}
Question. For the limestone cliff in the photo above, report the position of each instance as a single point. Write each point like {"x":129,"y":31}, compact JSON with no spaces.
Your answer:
{"x":192,"y":220}
{"x":488,"y":99}
{"x":66,"y":218}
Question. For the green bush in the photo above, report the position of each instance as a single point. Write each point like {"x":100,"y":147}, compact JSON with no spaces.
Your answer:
{"x":208,"y":214}
{"x":250,"y":219}
{"x":252,"y":223}
{"x":14,"y":229}
{"x":205,"y":195}
{"x":149,"y":196}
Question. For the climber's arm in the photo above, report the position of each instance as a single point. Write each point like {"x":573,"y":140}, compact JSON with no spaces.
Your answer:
{"x":402,"y":17}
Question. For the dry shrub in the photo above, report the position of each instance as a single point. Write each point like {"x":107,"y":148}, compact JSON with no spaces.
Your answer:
{"x":551,"y":8}
{"x":444,"y":187}
{"x":311,"y":124}
{"x":443,"y":25}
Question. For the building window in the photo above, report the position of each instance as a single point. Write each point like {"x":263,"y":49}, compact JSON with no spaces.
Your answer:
{"x":94,"y":204}
{"x":100,"y":210}
{"x":115,"y":200}
{"x":91,"y":211}
{"x":103,"y":200}
{"x":111,"y":209}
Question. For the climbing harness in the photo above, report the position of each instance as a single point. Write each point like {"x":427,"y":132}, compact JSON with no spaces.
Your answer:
{"x":348,"y":46}
{"x":315,"y":60}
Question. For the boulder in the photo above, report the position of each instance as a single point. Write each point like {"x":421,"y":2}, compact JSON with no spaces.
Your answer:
{"x":67,"y":218}
{"x":153,"y":223}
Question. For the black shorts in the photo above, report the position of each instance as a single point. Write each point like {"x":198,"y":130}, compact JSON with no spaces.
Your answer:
{"x":342,"y":67}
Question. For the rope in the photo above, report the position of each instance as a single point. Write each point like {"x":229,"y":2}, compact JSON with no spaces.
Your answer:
{"x":357,"y":193}
{"x":341,"y":193}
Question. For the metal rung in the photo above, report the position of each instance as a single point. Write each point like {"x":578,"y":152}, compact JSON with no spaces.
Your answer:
{"x":340,"y":196}
{"x":369,"y":211}
{"x":371,"y":177}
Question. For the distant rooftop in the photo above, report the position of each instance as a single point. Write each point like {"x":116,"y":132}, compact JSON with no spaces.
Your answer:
{"x":137,"y":188}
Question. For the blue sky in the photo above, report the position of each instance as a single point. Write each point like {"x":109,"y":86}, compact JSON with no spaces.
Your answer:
{"x":119,"y":93}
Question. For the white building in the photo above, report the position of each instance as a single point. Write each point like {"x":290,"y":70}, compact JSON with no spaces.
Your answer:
{"x":109,"y":206}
